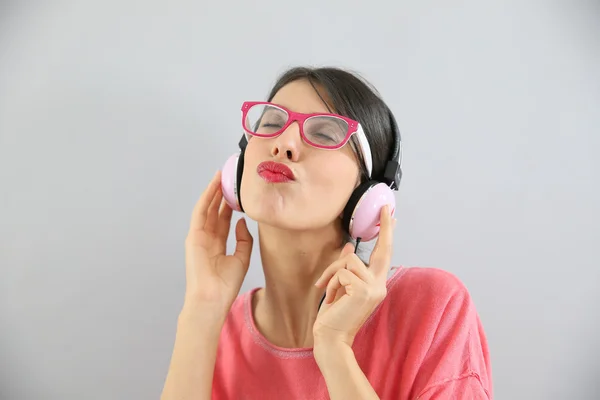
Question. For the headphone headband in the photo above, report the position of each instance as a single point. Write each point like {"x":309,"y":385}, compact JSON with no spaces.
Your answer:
{"x":393,"y":168}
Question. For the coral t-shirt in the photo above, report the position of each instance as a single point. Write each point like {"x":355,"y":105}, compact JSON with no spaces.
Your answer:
{"x":424,"y":341}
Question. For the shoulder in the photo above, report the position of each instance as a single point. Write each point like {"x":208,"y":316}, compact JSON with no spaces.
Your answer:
{"x":426,"y":284}
{"x":430,"y":296}
{"x":238,"y":318}
{"x":432,"y":312}
{"x":431,"y":299}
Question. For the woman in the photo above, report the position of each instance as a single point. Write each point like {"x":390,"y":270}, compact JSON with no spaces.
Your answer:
{"x":414,"y":335}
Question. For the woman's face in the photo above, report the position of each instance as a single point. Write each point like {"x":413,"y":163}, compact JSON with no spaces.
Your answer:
{"x":323,"y":179}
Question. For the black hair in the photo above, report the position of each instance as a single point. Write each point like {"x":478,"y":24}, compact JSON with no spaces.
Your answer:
{"x":354,"y":97}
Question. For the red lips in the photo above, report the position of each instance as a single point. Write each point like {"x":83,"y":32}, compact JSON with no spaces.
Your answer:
{"x":274,"y":172}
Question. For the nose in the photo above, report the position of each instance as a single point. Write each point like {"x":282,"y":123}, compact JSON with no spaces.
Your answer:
{"x":288,"y":144}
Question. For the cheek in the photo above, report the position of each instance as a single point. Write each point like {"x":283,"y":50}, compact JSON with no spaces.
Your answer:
{"x":336,"y":177}
{"x":249,"y":171}
{"x":252,"y":156}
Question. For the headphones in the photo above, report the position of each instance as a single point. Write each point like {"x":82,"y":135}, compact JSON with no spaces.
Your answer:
{"x":360,"y":218}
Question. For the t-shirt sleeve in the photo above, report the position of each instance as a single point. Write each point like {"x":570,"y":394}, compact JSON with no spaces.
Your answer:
{"x":448,"y":356}
{"x":467,"y":387}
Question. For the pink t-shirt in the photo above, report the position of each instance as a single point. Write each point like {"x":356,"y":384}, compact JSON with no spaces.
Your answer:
{"x":424,"y":341}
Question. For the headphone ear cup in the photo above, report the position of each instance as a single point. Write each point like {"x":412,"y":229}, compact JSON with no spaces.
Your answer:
{"x":355,"y":197}
{"x":361,"y":217}
{"x":231,"y":177}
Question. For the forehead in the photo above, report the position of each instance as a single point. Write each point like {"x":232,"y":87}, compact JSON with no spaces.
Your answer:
{"x":300,"y":96}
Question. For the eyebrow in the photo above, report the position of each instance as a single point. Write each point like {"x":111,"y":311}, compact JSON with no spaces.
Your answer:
{"x":329,"y":111}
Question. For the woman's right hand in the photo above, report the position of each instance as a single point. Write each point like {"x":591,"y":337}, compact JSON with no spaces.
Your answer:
{"x":214,"y":279}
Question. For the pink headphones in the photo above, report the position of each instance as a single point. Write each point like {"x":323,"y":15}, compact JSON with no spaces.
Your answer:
{"x":360,"y":218}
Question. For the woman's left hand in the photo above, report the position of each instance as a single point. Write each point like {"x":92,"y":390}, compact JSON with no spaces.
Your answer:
{"x":353,"y":290}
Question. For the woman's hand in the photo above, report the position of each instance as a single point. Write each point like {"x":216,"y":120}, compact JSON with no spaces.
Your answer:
{"x":213,"y":279}
{"x":353,"y":290}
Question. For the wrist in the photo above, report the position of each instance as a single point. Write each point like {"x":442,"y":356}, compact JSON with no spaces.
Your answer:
{"x":206,"y":316}
{"x":331,"y":352}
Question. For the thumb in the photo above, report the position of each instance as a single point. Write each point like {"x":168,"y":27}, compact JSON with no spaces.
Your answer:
{"x":347,"y":249}
{"x":243,"y":247}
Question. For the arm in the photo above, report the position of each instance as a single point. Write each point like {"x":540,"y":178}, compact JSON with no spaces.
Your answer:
{"x":213,"y":280}
{"x":192,"y":364}
{"x":343,"y":376}
{"x":353,"y":291}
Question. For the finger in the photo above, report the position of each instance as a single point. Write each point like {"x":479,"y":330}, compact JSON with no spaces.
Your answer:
{"x":198,"y":218}
{"x":381,"y":256}
{"x":341,"y":292}
{"x":224,"y":223}
{"x":346,"y":280}
{"x":352,"y":263}
{"x":347,"y":249}
{"x":356,"y":266}
{"x":212,"y":214}
{"x":329,"y":271}
{"x":243,"y":247}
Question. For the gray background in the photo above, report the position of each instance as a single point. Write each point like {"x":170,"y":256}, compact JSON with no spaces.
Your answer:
{"x":115,"y":114}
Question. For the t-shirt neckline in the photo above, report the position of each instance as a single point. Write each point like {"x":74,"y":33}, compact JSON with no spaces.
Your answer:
{"x":296,"y":352}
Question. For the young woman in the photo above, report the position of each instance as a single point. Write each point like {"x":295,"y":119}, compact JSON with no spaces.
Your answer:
{"x":307,"y":153}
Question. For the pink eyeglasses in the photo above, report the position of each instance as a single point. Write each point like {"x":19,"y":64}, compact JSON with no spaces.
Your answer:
{"x":320,"y":130}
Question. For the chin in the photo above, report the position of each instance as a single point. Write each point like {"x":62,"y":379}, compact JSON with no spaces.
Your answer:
{"x":269,"y":212}
{"x":264,"y":201}
{"x":289,"y":218}
{"x":278,"y":206}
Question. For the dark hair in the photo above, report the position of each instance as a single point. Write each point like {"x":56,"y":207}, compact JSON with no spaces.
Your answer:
{"x":351,"y":96}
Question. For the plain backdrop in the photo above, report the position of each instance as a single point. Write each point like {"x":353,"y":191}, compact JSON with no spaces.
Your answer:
{"x":114,"y":115}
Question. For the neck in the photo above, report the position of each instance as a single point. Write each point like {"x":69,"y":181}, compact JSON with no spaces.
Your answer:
{"x":285,"y":310}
